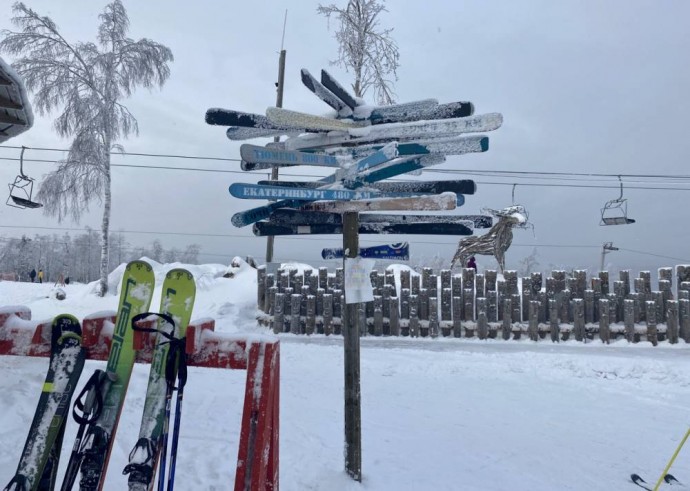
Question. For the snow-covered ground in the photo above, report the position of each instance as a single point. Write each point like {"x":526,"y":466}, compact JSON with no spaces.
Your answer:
{"x":437,"y":414}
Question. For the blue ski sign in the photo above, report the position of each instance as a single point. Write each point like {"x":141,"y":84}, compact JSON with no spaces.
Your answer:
{"x":400,"y":251}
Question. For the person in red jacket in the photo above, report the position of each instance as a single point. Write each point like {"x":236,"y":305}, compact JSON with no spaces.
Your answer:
{"x":472,"y":264}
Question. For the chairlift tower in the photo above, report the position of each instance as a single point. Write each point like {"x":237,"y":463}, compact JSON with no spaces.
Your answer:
{"x":607,"y":247}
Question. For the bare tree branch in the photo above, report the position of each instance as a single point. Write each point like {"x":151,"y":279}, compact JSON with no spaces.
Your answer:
{"x":369,"y":51}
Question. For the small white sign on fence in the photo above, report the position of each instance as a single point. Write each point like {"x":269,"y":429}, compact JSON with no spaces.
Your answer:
{"x":358,"y":287}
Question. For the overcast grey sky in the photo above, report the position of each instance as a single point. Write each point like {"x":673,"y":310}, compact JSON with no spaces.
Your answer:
{"x":584,"y":86}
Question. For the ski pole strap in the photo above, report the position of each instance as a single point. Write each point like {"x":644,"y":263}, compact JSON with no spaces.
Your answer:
{"x":144,"y":315}
{"x":90,"y":399}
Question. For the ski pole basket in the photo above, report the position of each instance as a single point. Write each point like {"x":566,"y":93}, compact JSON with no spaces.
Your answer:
{"x":21,"y":190}
{"x":615,"y":211}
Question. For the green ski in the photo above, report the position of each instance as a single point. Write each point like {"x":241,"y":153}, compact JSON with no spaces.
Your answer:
{"x":38,"y":463}
{"x":135,"y":297}
{"x":177,"y":301}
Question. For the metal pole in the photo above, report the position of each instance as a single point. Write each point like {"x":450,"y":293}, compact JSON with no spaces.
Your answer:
{"x":279,"y":103}
{"x":353,"y":409}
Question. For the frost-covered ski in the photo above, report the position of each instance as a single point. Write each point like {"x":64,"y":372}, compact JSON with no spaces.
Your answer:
{"x":338,"y":90}
{"x":39,"y":460}
{"x":177,"y":301}
{"x":464,"y":186}
{"x":295,"y":119}
{"x":287,"y":216}
{"x":135,"y":298}
{"x":407,"y":132}
{"x":322,"y":92}
{"x":262,"y":229}
{"x":228,"y":117}
{"x":239,"y":133}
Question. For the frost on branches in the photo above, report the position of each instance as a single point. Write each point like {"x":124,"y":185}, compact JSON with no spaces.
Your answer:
{"x":365,"y":47}
{"x":86,"y":81}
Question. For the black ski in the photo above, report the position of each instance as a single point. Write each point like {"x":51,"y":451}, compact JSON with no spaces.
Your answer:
{"x":320,"y":91}
{"x":38,"y":463}
{"x":228,"y":117}
{"x":464,"y":186}
{"x":338,"y":90}
{"x":268,"y":228}
{"x":288,"y":216}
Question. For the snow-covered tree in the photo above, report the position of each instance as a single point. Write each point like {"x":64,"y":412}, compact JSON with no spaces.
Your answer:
{"x":87,"y":81}
{"x":364,"y":47}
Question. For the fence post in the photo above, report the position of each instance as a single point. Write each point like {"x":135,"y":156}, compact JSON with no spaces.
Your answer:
{"x":579,"y":319}
{"x":553,"y":320}
{"x":278,"y":317}
{"x":604,"y":331}
{"x":629,"y":319}
{"x":650,"y":314}
{"x":672,"y":321}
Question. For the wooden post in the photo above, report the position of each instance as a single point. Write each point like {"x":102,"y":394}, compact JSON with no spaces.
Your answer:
{"x":328,"y":314}
{"x":533,"y":316}
{"x":433,"y":316}
{"x":394,"y":320}
{"x":261,"y":288}
{"x":629,"y":319}
{"x":579,"y":308}
{"x":278,"y":317}
{"x":353,"y":408}
{"x":295,"y":302}
{"x":650,"y":315}
{"x":482,"y":321}
{"x":684,"y":314}
{"x":405,"y":303}
{"x":604,"y":311}
{"x":405,"y":279}
{"x":310,"y":322}
{"x":672,"y":321}
{"x":553,"y":320}
{"x":378,"y":315}
{"x":414,"y":319}
{"x":507,"y":319}
{"x":457,"y":317}
{"x":323,"y":279}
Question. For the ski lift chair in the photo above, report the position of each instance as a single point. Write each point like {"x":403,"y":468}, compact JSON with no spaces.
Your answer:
{"x":21,"y":190}
{"x":615,"y":211}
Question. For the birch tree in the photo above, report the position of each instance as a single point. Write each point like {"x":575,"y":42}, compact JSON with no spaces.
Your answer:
{"x":365,"y":47}
{"x":86,"y":81}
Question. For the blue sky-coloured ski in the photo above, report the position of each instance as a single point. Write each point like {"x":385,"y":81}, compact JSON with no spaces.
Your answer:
{"x":261,"y":191}
{"x":322,"y":92}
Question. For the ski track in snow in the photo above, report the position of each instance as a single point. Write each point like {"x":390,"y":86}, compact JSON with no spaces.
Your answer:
{"x":441,"y":414}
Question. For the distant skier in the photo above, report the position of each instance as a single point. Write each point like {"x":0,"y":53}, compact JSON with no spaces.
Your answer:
{"x":40,"y":276}
{"x":472,"y":263}
{"x":32,"y":275}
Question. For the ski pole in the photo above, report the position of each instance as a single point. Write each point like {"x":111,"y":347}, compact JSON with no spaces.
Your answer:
{"x":170,"y":385}
{"x":93,"y":394}
{"x":181,"y":381}
{"x":673,"y":458}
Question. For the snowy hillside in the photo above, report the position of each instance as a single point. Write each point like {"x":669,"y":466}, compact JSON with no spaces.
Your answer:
{"x":438,"y":414}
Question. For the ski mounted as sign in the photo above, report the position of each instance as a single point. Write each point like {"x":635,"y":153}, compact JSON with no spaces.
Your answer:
{"x":400,"y":251}
{"x":320,"y":91}
{"x":338,"y":90}
{"x":444,"y":201}
{"x":239,"y":133}
{"x":464,"y":186}
{"x":446,"y":145}
{"x":264,"y":155}
{"x":284,"y":118}
{"x":393,"y":113}
{"x":286,"y":216}
{"x":256,"y":191}
{"x":262,"y":229}
{"x":228,"y":117}
{"x":403,"y":132}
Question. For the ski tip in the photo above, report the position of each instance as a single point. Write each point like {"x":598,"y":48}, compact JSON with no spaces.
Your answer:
{"x":636,"y":478}
{"x":237,"y":221}
{"x":670,"y":479}
{"x":484,"y":142}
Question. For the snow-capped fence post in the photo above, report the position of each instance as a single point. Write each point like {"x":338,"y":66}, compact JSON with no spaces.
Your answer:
{"x":629,"y":320}
{"x":270,"y":300}
{"x":446,"y":308}
{"x":310,"y":321}
{"x":261,"y":287}
{"x":404,"y":303}
{"x":328,"y":314}
{"x":388,"y":292}
{"x":658,"y":299}
{"x":492,"y":305}
{"x":604,"y":331}
{"x":526,"y":296}
{"x":554,"y":326}
{"x":579,"y":308}
{"x":394,"y":320}
{"x":323,"y":279}
{"x":672,"y":321}
{"x":480,"y":290}
{"x":613,"y":308}
{"x":507,"y":325}
{"x":468,"y":296}
{"x":278,"y":309}
{"x":604,"y":278}
{"x":423,"y":311}
{"x":650,"y":315}
{"x":414,"y":319}
{"x":533,"y":325}
{"x":457,"y":317}
{"x":433,"y":317}
{"x":405,"y":279}
{"x":482,"y":321}
{"x":517,"y":310}
{"x":624,"y":276}
{"x":378,"y":315}
{"x":684,"y":314}
{"x":295,"y":303}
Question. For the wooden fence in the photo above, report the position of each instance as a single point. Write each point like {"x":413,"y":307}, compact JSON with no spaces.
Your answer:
{"x":565,"y":305}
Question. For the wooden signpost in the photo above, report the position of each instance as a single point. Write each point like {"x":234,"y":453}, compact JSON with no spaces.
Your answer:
{"x":365,"y":146}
